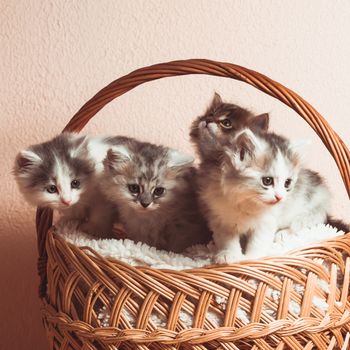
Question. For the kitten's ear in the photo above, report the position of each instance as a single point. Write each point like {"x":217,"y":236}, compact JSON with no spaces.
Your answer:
{"x":26,"y":160}
{"x":216,"y":102}
{"x":117,"y":157}
{"x":247,"y":140}
{"x":244,"y":146}
{"x":177,"y":159}
{"x":261,"y":122}
{"x":81,"y":148}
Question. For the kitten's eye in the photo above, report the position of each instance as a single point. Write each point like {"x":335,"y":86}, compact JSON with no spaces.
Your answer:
{"x":158,"y":191}
{"x":52,"y":189}
{"x":226,"y":123}
{"x":133,"y":188}
{"x":75,"y":184}
{"x":287,"y":183}
{"x":267,"y":181}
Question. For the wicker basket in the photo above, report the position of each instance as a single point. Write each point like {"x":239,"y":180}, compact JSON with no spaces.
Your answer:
{"x":76,"y":282}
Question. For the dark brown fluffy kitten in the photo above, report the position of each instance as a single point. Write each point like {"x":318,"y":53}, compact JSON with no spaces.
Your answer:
{"x":213,"y":130}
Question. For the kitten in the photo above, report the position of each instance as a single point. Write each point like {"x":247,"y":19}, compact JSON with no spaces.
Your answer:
{"x":259,"y":188}
{"x":60,"y":174}
{"x":210,"y":132}
{"x":153,"y":189}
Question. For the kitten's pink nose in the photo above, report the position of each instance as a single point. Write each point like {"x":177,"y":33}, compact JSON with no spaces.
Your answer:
{"x":278,"y":197}
{"x":66,"y":201}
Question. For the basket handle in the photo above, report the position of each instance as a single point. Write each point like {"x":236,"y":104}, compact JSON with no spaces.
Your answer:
{"x":332,"y":141}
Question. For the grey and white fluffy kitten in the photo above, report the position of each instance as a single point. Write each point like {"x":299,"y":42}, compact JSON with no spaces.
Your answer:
{"x":213,"y":130}
{"x":259,"y":188}
{"x":153,"y":188}
{"x":61,"y":174}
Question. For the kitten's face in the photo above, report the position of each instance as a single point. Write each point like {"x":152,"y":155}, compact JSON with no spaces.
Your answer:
{"x":147,"y":179}
{"x":266,"y":167}
{"x":52,"y":174}
{"x":224,"y":120}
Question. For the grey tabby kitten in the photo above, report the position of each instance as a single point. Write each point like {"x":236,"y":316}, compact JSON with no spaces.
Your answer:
{"x":210,"y":132}
{"x":61,"y":174}
{"x":153,"y":188}
{"x":259,"y":188}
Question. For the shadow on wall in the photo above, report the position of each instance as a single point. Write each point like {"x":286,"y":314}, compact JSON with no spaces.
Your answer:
{"x":19,"y":286}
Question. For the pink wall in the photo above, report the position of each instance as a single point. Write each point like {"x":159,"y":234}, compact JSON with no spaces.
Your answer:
{"x":56,"y":54}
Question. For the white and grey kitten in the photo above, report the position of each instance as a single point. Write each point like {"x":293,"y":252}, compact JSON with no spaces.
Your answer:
{"x":153,"y":188}
{"x":259,"y":188}
{"x":61,"y":174}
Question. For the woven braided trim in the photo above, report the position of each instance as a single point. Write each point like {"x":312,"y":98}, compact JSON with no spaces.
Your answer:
{"x":281,"y":328}
{"x":82,"y":283}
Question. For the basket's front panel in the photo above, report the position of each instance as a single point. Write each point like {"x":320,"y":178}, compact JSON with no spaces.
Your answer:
{"x":300,"y":302}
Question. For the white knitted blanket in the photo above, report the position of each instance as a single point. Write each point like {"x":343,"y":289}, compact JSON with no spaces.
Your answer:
{"x":140,"y":254}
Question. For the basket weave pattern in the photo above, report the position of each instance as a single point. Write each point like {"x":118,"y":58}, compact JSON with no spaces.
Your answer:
{"x":146,"y":308}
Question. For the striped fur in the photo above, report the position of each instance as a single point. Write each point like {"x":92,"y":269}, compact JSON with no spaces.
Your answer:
{"x":169,"y":221}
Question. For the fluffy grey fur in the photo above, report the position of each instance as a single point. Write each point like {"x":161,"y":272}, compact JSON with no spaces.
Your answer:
{"x":153,"y":188}
{"x":61,"y":174}
{"x":213,"y":130}
{"x":238,"y":198}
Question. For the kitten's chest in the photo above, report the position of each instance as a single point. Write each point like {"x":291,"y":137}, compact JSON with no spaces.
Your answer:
{"x":237,"y":216}
{"x":91,"y":198}
{"x":76,"y":212}
{"x":145,"y":228}
{"x":294,"y":207}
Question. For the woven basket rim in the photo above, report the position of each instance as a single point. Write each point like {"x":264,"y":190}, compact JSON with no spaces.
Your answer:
{"x":272,"y":260}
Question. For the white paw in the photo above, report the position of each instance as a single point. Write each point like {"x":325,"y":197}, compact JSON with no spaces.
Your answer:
{"x":227,"y":257}
{"x":283,"y":236}
{"x":297,"y":226}
{"x":213,"y":129}
{"x":208,"y":131}
{"x":202,"y":125}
